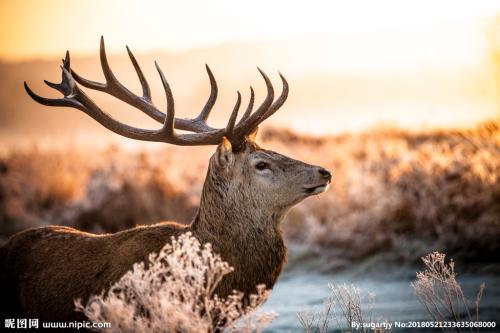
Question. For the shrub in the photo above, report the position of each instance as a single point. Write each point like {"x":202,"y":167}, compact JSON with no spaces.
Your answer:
{"x":395,"y":192}
{"x":346,"y":304}
{"x":175,"y":292}
{"x":441,"y":294}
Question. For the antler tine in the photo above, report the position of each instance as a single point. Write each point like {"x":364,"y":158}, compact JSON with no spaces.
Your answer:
{"x":168,"y":126}
{"x":199,"y":124}
{"x":248,"y":111}
{"x":108,"y":73}
{"x":104,"y":87}
{"x":251,"y":120}
{"x":50,"y":101}
{"x":66,"y":87}
{"x":280,"y":101}
{"x":270,"y":94}
{"x":232,"y":118}
{"x":89,"y":83}
{"x":66,"y":61}
{"x":146,"y":91}
{"x":205,"y":112}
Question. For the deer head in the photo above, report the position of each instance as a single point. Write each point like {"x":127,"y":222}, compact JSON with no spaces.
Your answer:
{"x":261,"y":183}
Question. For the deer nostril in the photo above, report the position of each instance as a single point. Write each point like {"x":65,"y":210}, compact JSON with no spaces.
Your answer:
{"x":325,"y":173}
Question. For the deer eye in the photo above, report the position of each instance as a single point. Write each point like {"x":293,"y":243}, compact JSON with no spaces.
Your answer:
{"x":262,"y":166}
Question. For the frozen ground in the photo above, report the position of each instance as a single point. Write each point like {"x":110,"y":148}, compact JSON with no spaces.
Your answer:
{"x":302,"y":289}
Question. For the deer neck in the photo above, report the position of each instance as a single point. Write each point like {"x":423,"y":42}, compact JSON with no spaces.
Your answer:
{"x":247,"y":236}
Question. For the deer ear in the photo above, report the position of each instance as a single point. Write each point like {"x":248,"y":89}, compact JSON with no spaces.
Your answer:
{"x":224,"y":153}
{"x":253,"y":134}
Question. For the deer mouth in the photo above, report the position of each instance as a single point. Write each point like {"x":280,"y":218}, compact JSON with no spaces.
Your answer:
{"x":316,"y":189}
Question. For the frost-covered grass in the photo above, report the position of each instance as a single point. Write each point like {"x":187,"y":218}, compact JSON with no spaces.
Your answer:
{"x":175,"y":292}
{"x":436,"y":288}
{"x":345,"y":305}
{"x":403,"y":193}
{"x":394,"y":191}
{"x":440,"y":293}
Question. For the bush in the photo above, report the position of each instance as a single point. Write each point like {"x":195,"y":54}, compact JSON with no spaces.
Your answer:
{"x":395,"y":192}
{"x":441,"y":294}
{"x":174,"y":292}
{"x":345,"y":305}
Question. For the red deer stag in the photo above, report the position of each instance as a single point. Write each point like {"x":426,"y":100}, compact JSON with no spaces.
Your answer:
{"x":246,"y":194}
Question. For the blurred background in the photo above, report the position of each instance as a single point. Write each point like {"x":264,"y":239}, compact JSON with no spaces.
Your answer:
{"x":400,"y":99}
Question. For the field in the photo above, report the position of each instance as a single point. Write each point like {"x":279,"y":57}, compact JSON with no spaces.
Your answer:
{"x":395,"y":192}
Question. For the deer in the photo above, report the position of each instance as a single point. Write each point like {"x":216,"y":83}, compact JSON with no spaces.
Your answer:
{"x":245,"y":196}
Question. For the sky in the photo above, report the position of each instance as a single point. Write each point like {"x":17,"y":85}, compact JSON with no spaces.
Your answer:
{"x":355,"y":64}
{"x":32,"y":28}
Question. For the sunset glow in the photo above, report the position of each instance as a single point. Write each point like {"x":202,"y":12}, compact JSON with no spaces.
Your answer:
{"x":31,"y":28}
{"x":356,"y":64}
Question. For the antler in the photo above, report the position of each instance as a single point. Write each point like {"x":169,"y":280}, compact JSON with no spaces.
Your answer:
{"x":202,"y":133}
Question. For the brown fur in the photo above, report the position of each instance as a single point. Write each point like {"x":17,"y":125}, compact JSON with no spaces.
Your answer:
{"x":44,"y":269}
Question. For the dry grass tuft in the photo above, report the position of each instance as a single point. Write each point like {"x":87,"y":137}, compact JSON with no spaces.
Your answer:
{"x":174,"y":292}
{"x":99,"y":192}
{"x":403,"y":193}
{"x":397,"y":192}
{"x":345,"y":305}
{"x":441,"y":294}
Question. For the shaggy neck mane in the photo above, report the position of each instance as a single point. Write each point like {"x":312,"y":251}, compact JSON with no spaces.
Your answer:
{"x":248,"y":236}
